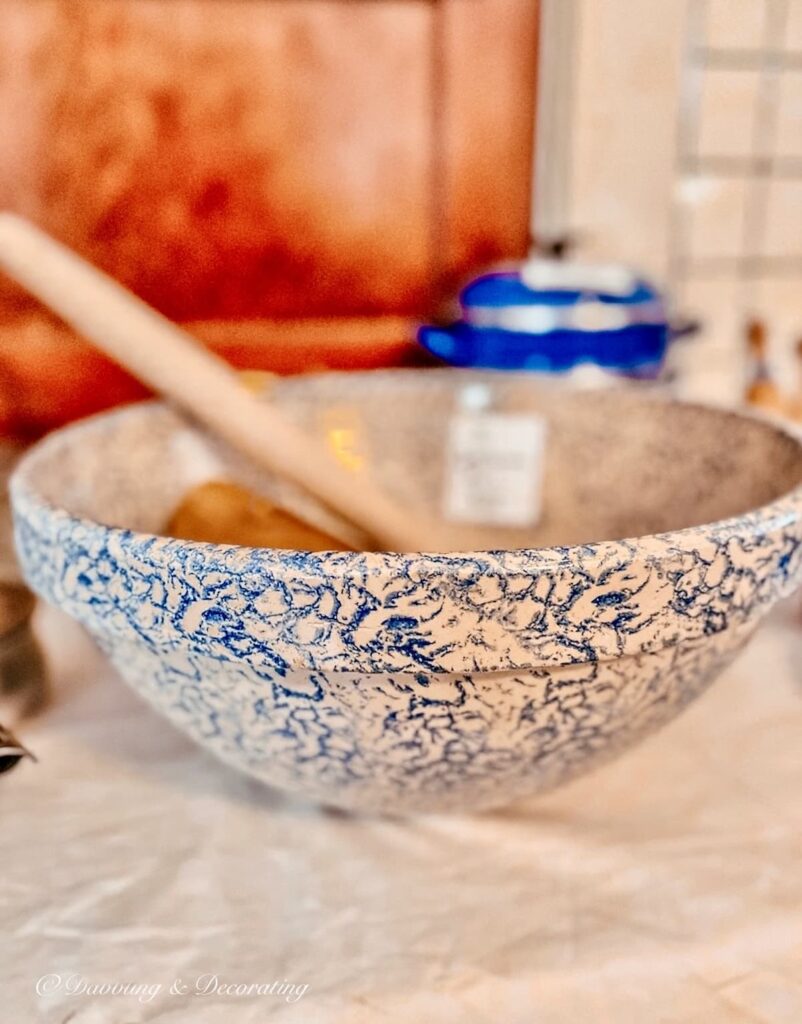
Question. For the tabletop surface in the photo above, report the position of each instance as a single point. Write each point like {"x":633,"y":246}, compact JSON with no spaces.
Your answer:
{"x":665,"y":887}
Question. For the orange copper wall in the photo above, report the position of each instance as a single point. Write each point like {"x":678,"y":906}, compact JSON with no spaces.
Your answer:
{"x":247,"y":159}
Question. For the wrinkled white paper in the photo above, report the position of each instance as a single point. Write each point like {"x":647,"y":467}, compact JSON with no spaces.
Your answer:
{"x":667,"y":886}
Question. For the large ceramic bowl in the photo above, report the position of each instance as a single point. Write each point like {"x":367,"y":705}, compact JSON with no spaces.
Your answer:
{"x":405,"y":682}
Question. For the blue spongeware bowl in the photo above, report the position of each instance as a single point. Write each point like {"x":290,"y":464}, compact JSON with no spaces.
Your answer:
{"x":409,"y":682}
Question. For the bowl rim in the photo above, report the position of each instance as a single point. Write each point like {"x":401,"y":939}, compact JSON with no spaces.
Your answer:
{"x":759,"y":552}
{"x":781,"y":511}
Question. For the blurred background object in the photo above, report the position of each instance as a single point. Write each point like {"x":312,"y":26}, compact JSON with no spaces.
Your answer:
{"x":558,"y":316}
{"x":737,"y":230}
{"x":761,"y":391}
{"x":302,"y":183}
{"x":23,"y":683}
{"x":11,"y":751}
{"x":681,"y":155}
{"x":295,"y":180}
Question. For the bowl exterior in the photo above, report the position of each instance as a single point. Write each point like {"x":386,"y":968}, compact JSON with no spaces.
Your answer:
{"x":560,"y":665}
{"x":403,"y":743}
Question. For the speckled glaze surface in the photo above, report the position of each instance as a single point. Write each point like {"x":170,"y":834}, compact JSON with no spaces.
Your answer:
{"x":404,"y":682}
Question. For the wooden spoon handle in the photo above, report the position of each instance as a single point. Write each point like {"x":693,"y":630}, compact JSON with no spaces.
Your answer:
{"x":172,"y":363}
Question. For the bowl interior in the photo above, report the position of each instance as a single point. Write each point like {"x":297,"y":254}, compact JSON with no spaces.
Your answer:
{"x":616,"y":464}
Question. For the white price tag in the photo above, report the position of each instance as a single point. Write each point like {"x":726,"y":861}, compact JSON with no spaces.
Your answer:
{"x":494,"y":469}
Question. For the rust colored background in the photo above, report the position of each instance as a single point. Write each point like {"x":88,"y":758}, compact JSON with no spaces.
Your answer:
{"x":242,"y":162}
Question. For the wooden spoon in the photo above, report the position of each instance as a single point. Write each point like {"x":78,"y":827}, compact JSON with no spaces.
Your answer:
{"x":176,"y":366}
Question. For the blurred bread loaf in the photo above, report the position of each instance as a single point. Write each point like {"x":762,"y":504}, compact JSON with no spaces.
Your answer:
{"x":221,"y":512}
